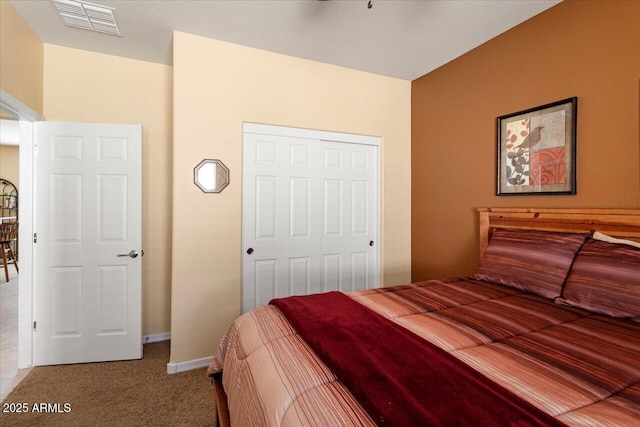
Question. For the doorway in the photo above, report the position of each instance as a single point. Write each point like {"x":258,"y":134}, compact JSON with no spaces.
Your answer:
{"x":13,"y":107}
{"x":9,"y":187}
{"x":20,"y":301}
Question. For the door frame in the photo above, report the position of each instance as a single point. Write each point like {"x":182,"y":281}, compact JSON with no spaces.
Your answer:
{"x":311,"y":134}
{"x":26,"y":116}
{"x":263,"y":129}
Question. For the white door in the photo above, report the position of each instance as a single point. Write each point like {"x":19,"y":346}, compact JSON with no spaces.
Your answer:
{"x":310,"y":216}
{"x":88,"y":206}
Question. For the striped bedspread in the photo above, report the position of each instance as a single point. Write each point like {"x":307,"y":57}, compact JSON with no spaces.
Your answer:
{"x":581,"y":368}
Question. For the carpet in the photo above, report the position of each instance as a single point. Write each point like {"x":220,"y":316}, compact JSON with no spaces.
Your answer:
{"x":127,"y":393}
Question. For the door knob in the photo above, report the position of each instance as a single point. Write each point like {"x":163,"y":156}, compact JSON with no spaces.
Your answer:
{"x":250,"y":251}
{"x":370,"y":242}
{"x":132,"y":254}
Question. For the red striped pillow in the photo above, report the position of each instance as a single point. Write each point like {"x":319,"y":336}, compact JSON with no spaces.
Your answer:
{"x":533,"y":261}
{"x":605,"y":279}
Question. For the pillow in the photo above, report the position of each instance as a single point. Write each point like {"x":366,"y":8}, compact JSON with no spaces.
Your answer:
{"x":599,"y":236}
{"x":533,"y":261}
{"x":605,"y":279}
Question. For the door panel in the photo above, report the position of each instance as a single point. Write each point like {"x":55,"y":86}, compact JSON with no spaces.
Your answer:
{"x":359,"y":271}
{"x":67,"y":301}
{"x":112,"y":208}
{"x":113,"y":299}
{"x":299,"y":276}
{"x":333,"y":207}
{"x":359,"y":208}
{"x":332,"y":272}
{"x":66,"y":209}
{"x":266,"y":276}
{"x":300,"y":208}
{"x":265,"y":207}
{"x":309,"y":213}
{"x":88,"y":192}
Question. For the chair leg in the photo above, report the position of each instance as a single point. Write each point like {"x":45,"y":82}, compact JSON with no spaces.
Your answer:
{"x":4,"y":259}
{"x":13,"y":257}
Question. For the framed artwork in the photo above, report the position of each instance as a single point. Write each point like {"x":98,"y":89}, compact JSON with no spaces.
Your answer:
{"x":537,"y":150}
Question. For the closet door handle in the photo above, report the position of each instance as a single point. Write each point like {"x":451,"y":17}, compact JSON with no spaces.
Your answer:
{"x":250,"y":251}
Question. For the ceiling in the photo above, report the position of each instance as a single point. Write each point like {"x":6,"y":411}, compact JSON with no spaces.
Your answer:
{"x":396,"y":38}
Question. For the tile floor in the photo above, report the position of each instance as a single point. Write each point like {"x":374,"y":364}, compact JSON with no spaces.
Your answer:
{"x":10,"y":375}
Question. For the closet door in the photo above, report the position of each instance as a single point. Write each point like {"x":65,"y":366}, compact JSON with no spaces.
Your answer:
{"x":310,"y":216}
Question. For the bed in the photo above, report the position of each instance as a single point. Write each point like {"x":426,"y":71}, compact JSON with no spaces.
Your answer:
{"x":547,"y":332}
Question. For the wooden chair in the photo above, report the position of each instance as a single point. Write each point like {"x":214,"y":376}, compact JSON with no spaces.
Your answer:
{"x":8,"y":233}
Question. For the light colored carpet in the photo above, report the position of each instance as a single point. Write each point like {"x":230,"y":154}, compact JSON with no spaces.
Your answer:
{"x":10,"y":375}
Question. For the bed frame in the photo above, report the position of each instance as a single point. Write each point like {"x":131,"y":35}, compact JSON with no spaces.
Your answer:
{"x":621,"y":223}
{"x":222,"y":407}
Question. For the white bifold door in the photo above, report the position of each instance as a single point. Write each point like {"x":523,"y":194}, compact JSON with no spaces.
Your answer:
{"x":310,"y":213}
{"x":87,"y":243}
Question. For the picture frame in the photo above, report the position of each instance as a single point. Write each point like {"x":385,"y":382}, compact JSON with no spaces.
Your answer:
{"x":536,"y":152}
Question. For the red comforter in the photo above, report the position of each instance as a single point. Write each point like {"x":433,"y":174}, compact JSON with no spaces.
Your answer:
{"x":368,"y":354}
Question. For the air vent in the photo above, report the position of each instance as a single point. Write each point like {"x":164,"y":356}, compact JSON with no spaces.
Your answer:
{"x":88,"y":16}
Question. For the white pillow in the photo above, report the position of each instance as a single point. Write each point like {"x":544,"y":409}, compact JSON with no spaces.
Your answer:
{"x":599,"y":236}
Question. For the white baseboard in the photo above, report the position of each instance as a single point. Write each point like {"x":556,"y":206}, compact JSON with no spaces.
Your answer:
{"x":166,"y":336}
{"x":175,"y":368}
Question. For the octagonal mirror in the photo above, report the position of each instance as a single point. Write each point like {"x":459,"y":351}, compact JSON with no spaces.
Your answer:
{"x":211,"y":176}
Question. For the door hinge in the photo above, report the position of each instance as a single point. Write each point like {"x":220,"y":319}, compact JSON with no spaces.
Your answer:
{"x":34,"y":325}
{"x":35,"y":237}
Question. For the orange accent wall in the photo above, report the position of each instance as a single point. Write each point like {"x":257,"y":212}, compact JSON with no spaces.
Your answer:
{"x":588,"y":49}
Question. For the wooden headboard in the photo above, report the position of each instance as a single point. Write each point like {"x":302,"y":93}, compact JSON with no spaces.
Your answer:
{"x":621,"y":223}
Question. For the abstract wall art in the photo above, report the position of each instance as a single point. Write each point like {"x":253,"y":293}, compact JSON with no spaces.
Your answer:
{"x":537,"y":150}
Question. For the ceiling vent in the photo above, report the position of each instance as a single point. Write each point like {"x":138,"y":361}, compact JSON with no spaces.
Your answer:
{"x":88,"y":16}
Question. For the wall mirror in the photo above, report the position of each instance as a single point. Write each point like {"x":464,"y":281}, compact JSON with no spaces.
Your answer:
{"x":211,"y":176}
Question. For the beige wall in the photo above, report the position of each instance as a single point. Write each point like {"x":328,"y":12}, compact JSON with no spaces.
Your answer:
{"x":217,"y":87}
{"x":83,"y":86}
{"x":21,"y":58}
{"x":588,"y":49}
{"x":9,"y":164}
